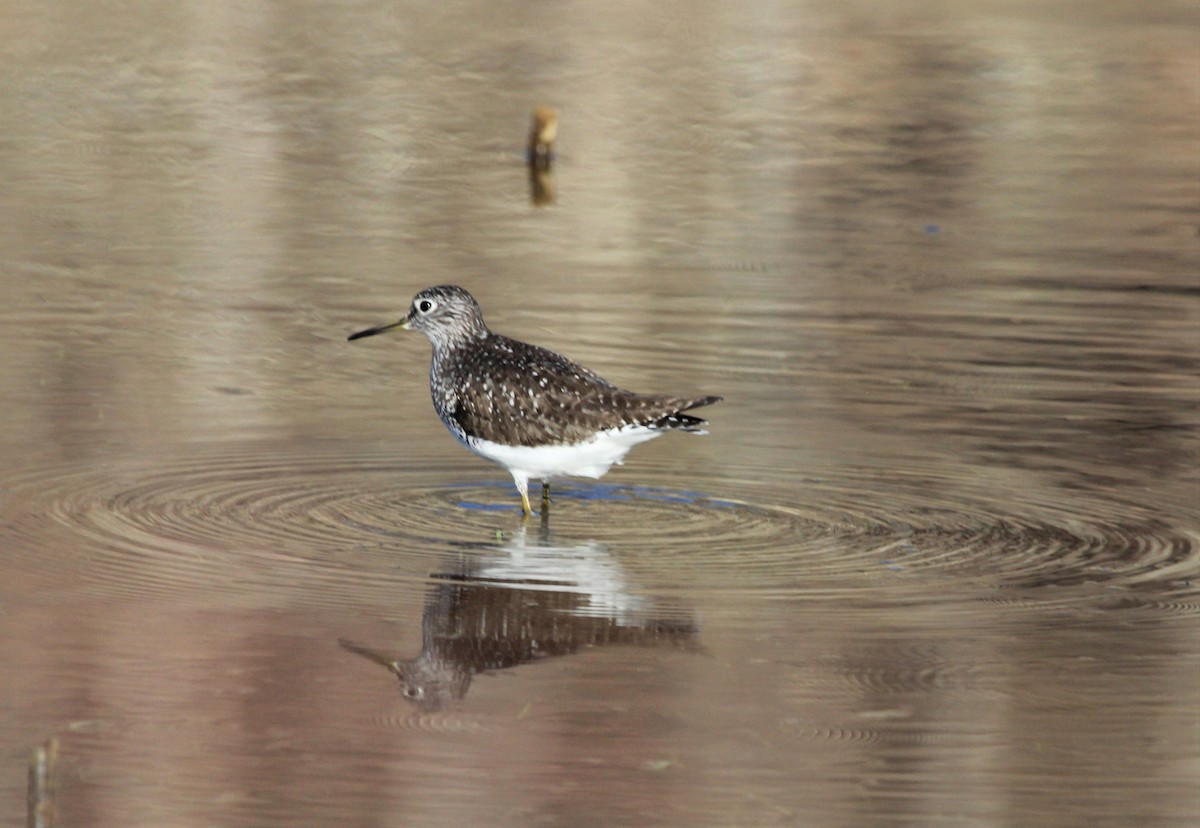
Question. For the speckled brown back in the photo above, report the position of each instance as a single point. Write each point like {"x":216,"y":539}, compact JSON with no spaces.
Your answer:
{"x":510,"y":392}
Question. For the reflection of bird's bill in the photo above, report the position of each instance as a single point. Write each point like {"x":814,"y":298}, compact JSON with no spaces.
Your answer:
{"x":401,"y":323}
{"x":374,"y":655}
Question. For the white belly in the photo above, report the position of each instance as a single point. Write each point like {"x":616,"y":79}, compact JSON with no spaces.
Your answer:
{"x":590,"y":459}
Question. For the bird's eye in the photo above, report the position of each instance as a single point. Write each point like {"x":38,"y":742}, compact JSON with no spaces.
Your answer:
{"x":425,"y":306}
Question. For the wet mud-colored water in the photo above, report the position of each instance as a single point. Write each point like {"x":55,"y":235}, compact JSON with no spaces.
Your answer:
{"x":935,"y":563}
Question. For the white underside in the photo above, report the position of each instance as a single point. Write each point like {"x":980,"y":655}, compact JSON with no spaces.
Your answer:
{"x":590,"y":459}
{"x":586,"y":569}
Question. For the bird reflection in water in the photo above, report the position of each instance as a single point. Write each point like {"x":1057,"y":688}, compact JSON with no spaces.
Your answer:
{"x":506,"y":606}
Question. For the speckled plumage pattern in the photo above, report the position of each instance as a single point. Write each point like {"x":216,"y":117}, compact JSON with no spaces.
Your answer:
{"x":509,"y":392}
{"x":495,"y":393}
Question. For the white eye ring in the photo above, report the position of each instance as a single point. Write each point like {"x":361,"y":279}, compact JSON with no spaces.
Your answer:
{"x":426,"y":305}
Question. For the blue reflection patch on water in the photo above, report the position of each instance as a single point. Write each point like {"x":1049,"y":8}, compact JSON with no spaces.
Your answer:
{"x":488,"y":507}
{"x":600,"y":491}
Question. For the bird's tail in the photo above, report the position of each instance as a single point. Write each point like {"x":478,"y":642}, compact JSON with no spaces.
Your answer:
{"x":678,"y":421}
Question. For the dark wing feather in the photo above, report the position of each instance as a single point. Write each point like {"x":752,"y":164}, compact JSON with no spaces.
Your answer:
{"x":519,"y":394}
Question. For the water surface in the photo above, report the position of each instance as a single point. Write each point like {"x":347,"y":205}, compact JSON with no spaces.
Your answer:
{"x":935,"y":564}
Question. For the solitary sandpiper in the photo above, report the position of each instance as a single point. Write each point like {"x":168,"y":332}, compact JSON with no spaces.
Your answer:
{"x":532,"y":411}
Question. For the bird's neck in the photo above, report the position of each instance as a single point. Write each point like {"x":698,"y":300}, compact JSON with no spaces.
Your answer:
{"x":445,"y":347}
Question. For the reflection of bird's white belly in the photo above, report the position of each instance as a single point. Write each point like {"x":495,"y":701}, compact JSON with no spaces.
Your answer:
{"x":589,"y":459}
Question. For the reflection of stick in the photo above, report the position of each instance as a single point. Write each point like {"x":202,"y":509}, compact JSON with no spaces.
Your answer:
{"x":43,"y":785}
{"x":541,"y":193}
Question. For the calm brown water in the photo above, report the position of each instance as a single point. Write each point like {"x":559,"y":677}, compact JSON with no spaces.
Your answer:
{"x":935,"y":564}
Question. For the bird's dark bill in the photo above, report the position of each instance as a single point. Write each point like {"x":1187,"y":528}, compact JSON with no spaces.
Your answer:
{"x":403,"y":323}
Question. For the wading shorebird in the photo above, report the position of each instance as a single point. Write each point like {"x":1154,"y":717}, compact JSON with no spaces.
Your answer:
{"x":530,"y":410}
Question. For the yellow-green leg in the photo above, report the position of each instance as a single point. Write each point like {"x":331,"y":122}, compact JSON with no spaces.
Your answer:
{"x":545,"y":494}
{"x":522,"y":483}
